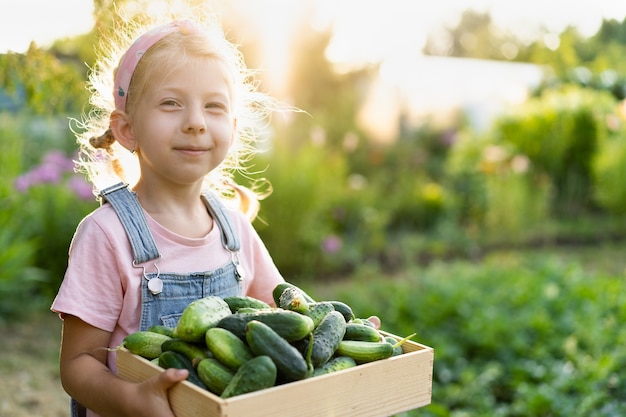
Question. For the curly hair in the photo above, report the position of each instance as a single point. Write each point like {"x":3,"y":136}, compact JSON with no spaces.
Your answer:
{"x":106,"y":162}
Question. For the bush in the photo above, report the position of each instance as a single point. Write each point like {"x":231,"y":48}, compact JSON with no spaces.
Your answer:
{"x":609,"y":169}
{"x":52,"y":199}
{"x":20,"y":280}
{"x":560,"y":132}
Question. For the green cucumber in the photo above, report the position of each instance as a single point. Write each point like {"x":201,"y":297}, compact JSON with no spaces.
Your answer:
{"x":171,"y":359}
{"x":227,"y":348}
{"x":397,"y":348}
{"x":363,"y":352}
{"x":357,"y":331}
{"x":344,"y":309}
{"x":292,"y":298}
{"x":337,"y":363}
{"x":256,"y":374}
{"x":278,"y":290}
{"x":159,"y":328}
{"x":214,"y":375}
{"x":264,"y":341}
{"x":365,"y":322}
{"x":317,"y":311}
{"x":195,"y":352}
{"x":288,"y":324}
{"x":199,"y":316}
{"x":145,"y":343}
{"x":237,"y":302}
{"x":326,"y":338}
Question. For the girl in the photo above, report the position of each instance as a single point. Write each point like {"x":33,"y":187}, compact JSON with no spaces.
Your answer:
{"x":180,"y":110}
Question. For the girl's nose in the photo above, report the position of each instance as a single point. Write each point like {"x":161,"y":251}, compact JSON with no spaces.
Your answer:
{"x":195,"y":122}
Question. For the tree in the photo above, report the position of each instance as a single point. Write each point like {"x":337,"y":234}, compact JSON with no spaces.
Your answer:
{"x":475,"y":36}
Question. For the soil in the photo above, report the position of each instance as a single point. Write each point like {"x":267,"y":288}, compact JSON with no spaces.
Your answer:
{"x":29,"y":368}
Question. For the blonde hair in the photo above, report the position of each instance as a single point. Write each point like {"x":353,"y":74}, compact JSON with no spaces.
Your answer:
{"x":106,"y":162}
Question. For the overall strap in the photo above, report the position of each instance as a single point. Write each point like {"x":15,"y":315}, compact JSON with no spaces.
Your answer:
{"x":217,"y":210}
{"x":131,"y":215}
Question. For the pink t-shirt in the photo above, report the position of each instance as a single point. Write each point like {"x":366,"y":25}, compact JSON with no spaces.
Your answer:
{"x":102,"y":288}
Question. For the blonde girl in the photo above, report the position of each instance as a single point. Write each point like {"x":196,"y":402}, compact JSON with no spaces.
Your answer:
{"x":173,"y":115}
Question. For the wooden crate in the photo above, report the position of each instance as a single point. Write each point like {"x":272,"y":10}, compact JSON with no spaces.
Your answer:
{"x":375,"y":389}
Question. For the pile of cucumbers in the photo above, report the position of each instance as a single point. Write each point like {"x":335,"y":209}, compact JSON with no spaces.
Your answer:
{"x":240,"y":344}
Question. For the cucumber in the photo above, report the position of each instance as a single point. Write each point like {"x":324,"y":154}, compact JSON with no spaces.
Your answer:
{"x":317,"y":311}
{"x":236,"y":302}
{"x":365,"y":322}
{"x":227,"y":348}
{"x":397,"y":348}
{"x":159,"y":328}
{"x":264,"y":341}
{"x":145,"y":343}
{"x":357,"y":331}
{"x":256,"y":374}
{"x":195,"y":352}
{"x":214,"y":375}
{"x":326,"y":338}
{"x":363,"y":352}
{"x":278,"y":290}
{"x":344,"y":309}
{"x":199,"y":316}
{"x":171,"y":359}
{"x":337,"y":363}
{"x":254,"y":310}
{"x":292,"y":298}
{"x":288,"y":324}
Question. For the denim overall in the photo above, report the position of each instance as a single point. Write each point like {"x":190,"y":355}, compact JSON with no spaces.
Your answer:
{"x":164,"y":295}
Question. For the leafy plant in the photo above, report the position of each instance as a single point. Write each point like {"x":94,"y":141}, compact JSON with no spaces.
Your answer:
{"x":514,"y":335}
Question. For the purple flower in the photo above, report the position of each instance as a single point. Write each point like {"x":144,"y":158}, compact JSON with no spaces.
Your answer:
{"x":23,"y":182}
{"x":51,"y":171}
{"x":81,"y":188}
{"x":332,"y":244}
{"x":59,"y":160}
{"x":46,"y":174}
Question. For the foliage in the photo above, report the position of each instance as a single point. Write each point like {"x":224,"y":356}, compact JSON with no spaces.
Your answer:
{"x":20,"y":279}
{"x":537,"y":160}
{"x":559,"y":133}
{"x":289,"y":222}
{"x":474,"y":36}
{"x":48,"y":86}
{"x":514,"y":335}
{"x":41,"y":202}
{"x":609,"y":167}
{"x":54,"y":200}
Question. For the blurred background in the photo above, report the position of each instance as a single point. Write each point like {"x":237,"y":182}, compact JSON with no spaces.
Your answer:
{"x":459,"y":171}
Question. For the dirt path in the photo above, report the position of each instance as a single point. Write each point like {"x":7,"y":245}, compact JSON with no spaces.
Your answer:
{"x":29,"y":369}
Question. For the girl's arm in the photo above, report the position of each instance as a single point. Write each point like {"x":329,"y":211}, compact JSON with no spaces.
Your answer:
{"x":87,"y":379}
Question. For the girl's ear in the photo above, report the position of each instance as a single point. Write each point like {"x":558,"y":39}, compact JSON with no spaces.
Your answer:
{"x":122,"y":130}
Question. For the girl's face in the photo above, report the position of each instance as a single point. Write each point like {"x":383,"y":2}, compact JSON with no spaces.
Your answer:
{"x":183,"y":124}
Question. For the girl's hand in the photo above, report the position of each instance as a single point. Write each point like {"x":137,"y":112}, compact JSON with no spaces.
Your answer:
{"x":153,"y":393}
{"x":375,"y":321}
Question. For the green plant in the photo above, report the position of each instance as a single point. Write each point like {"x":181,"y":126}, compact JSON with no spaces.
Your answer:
{"x":514,"y":335}
{"x":19,"y":278}
{"x":559,"y":132}
{"x":54,"y":200}
{"x":609,"y":168}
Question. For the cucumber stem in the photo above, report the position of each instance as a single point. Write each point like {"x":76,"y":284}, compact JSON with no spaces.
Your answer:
{"x":401,"y":342}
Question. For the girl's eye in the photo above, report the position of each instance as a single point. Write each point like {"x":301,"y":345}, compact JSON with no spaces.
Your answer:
{"x":217,"y":106}
{"x":169,"y":103}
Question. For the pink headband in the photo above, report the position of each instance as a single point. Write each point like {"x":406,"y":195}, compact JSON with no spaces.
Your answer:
{"x":137,"y":49}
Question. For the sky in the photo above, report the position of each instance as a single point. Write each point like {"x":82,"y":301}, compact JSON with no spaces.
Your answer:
{"x":43,"y":21}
